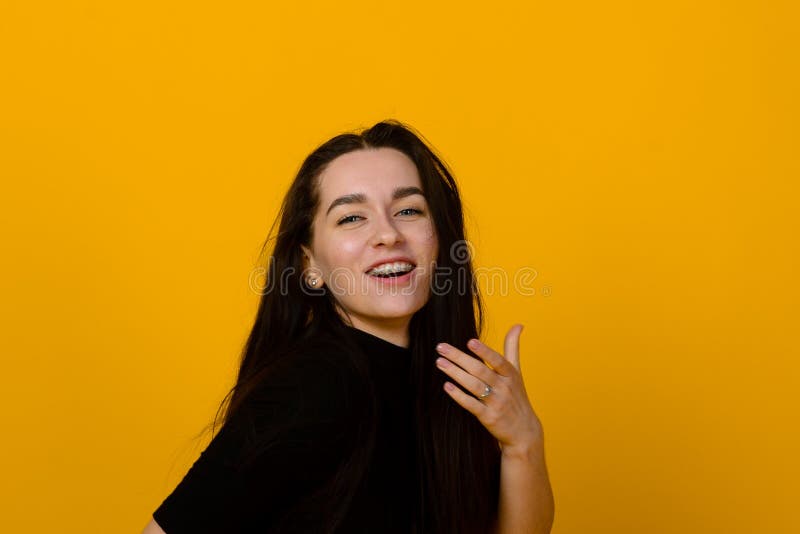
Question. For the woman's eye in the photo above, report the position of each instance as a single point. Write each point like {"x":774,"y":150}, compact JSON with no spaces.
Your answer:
{"x":414,"y":211}
{"x":347,"y":219}
{"x":352,"y":218}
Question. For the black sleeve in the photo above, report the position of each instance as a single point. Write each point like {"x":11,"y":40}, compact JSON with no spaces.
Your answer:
{"x":289,"y":438}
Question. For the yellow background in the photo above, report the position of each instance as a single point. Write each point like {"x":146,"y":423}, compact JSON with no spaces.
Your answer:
{"x":641,"y":157}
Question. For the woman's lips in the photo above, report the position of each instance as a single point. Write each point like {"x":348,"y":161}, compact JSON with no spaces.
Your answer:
{"x":394,"y":279}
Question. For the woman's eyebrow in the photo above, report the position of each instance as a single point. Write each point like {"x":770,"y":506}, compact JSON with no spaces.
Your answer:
{"x":360,"y":198}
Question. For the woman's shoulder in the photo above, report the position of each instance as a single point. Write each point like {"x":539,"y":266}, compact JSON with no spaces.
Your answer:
{"x":306,"y":397}
{"x":314,"y":380}
{"x":289,"y":435}
{"x":320,"y":359}
{"x":322,"y":351}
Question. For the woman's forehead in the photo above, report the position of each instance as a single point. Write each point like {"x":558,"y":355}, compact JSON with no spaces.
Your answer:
{"x":371,"y":172}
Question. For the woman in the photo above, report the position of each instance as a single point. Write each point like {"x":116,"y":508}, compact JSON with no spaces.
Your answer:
{"x":344,"y":416}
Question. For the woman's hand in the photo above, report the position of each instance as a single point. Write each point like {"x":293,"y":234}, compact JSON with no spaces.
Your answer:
{"x":506,"y":411}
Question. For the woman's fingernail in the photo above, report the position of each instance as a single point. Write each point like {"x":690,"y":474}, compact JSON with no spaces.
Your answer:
{"x":441,"y":362}
{"x":473,"y":343}
{"x":441,"y":347}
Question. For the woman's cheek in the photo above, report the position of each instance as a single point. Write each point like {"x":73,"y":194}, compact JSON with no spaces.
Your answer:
{"x":432,"y":243}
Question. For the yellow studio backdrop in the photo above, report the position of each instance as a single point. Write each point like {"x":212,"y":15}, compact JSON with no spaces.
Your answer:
{"x":637,"y":160}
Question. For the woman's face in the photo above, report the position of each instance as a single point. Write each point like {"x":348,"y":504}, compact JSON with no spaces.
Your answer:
{"x":372,"y":213}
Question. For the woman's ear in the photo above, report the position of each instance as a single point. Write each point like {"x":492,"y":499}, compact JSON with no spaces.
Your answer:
{"x":311,"y":274}
{"x":306,"y":254}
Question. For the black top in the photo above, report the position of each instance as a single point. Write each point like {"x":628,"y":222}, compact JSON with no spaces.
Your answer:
{"x":301,"y":419}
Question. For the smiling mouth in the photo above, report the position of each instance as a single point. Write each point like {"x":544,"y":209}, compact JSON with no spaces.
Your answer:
{"x":394,"y":274}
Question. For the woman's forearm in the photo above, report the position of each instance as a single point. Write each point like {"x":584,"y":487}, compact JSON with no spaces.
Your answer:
{"x":526,"y":503}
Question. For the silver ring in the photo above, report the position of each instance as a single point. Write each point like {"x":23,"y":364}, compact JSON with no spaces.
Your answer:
{"x":487,"y":390}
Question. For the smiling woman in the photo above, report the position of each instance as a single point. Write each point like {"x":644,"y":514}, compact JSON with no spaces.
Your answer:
{"x":380,"y":236}
{"x":341,"y":418}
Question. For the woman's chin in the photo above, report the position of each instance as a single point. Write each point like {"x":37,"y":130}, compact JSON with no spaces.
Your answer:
{"x":399,"y":311}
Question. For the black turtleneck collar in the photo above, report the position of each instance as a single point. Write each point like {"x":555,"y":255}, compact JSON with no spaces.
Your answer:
{"x":379,"y":347}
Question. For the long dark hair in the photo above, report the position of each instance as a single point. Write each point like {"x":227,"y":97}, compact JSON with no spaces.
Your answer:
{"x":458,"y":461}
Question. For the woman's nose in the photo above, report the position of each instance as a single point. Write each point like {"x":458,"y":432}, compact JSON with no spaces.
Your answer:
{"x":386,"y":232}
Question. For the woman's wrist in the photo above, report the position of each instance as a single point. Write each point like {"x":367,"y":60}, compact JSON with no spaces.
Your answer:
{"x":530,"y":450}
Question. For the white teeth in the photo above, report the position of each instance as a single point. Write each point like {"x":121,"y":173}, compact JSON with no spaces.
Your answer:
{"x":389,"y":268}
